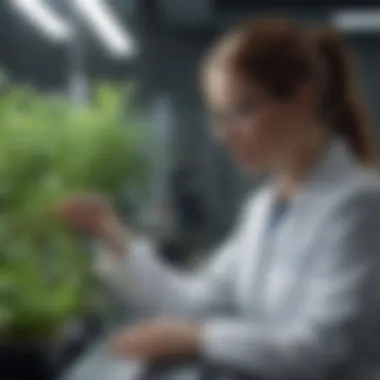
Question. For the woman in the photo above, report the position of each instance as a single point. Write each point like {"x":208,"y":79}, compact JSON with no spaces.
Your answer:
{"x":293,"y":294}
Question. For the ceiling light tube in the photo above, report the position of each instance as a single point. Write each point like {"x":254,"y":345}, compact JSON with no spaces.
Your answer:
{"x":44,"y":19}
{"x":104,"y":23}
{"x":357,"y":21}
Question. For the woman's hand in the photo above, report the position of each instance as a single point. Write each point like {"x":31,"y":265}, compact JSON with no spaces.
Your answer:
{"x":158,"y":340}
{"x":88,"y":213}
{"x":94,"y":215}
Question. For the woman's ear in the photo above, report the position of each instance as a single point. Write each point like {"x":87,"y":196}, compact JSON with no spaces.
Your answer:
{"x":306,"y":100}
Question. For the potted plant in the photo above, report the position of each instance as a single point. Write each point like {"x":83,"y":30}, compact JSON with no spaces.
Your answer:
{"x":49,"y":150}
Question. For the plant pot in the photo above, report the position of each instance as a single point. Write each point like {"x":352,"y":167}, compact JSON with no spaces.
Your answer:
{"x":28,"y":358}
{"x":24,"y":362}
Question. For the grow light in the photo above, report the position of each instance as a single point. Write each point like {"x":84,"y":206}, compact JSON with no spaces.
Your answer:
{"x":98,"y":14}
{"x":357,"y":21}
{"x":104,"y":23}
{"x":45,"y":19}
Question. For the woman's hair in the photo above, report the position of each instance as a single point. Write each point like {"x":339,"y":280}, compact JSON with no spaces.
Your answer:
{"x":280,"y":55}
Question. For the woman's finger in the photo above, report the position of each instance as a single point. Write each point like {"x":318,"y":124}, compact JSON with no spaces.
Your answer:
{"x":130,"y":347}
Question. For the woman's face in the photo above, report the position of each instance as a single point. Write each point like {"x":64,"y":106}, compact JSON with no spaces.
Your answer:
{"x":256,"y":129}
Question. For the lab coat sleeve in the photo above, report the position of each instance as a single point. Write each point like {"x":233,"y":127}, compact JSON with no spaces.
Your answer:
{"x":147,"y":283}
{"x":341,"y":303}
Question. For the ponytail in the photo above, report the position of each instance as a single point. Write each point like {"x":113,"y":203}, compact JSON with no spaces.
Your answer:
{"x":342,"y":103}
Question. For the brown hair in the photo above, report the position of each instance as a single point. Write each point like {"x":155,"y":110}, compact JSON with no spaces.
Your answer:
{"x":280,"y":55}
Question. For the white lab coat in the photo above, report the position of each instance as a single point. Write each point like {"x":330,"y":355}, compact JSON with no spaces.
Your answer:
{"x":292,"y":305}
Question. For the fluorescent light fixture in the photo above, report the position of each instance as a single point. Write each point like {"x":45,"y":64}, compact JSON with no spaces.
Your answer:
{"x":104,"y":23}
{"x":44,"y":18}
{"x":357,"y":20}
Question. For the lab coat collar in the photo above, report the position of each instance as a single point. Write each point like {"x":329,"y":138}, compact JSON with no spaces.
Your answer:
{"x":335,"y":164}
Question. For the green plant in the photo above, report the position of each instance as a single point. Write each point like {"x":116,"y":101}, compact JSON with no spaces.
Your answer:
{"x":49,"y":150}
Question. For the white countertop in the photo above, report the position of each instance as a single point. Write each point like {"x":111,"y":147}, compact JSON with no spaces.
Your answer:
{"x":97,"y":364}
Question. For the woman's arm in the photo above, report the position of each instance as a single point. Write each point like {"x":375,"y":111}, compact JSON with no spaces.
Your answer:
{"x":341,"y":306}
{"x":130,"y":264}
{"x":132,"y":267}
{"x":140,"y":277}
